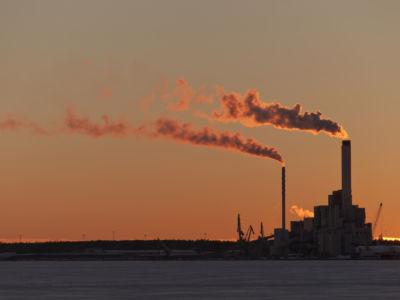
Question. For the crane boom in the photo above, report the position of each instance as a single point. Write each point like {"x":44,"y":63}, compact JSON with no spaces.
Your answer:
{"x":261,"y":231}
{"x":249,"y":232}
{"x":376,"y":219}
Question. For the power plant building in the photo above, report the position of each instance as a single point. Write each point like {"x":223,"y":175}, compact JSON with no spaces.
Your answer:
{"x":337,"y":228}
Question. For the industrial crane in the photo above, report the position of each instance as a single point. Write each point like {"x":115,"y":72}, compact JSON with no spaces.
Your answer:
{"x":249,"y":232}
{"x":245,"y":237}
{"x":376,"y":220}
{"x":261,"y":231}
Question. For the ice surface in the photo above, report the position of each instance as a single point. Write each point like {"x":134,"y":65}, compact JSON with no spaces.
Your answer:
{"x":200,"y":280}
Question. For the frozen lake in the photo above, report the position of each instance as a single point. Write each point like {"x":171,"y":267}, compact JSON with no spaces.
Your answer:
{"x":200,"y":280}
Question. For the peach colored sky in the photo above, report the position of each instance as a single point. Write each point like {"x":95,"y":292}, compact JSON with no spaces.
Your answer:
{"x":103,"y":57}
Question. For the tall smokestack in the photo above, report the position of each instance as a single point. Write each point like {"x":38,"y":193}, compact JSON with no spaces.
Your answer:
{"x":283,"y":199}
{"x":346,"y":173}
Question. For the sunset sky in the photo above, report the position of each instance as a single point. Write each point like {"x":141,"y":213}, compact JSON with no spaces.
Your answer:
{"x":120,"y":58}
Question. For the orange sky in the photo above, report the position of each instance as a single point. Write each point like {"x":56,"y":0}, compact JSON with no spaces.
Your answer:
{"x":104,"y":58}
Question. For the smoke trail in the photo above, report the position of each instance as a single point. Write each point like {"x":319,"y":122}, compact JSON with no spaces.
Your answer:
{"x":301,"y":212}
{"x":251,"y":111}
{"x":184,"y":93}
{"x":12,"y":124}
{"x":162,"y":90}
{"x":180,"y":98}
{"x":85,"y":126}
{"x":162,"y":128}
{"x":171,"y":130}
{"x":208,"y":136}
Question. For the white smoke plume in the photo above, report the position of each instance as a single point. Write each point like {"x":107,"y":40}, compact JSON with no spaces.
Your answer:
{"x":301,"y":212}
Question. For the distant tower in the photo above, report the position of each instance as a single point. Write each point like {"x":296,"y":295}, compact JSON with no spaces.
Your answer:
{"x":283,"y":198}
{"x":261,"y":231}
{"x":346,"y":174}
{"x":239,"y":229}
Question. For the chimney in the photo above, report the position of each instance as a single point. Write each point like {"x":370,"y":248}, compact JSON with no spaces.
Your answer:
{"x":346,"y":173}
{"x":283,"y":199}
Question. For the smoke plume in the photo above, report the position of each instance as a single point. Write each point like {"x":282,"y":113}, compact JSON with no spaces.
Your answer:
{"x":171,"y":130}
{"x":208,"y":136}
{"x":301,"y":212}
{"x":12,"y":124}
{"x":251,"y":111}
{"x":86,"y":126}
{"x":184,"y":93}
{"x":179,"y":98}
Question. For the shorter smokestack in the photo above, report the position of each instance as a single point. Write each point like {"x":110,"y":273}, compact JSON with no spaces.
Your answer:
{"x":346,"y":173}
{"x":283,"y":198}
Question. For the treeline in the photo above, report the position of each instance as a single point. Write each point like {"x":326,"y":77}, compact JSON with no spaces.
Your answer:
{"x":79,"y":246}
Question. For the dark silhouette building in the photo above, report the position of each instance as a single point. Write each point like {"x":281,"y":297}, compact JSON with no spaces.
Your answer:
{"x":339,"y":227}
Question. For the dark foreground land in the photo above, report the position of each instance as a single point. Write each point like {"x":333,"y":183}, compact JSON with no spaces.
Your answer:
{"x":118,"y":250}
{"x":163,"y":250}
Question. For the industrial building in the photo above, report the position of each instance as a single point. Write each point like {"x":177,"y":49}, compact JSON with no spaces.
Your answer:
{"x":337,"y":229}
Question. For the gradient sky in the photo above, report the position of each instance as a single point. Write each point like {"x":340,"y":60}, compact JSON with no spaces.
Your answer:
{"x":103,"y":57}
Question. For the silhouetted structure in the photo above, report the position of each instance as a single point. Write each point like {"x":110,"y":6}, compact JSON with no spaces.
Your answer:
{"x":337,"y":228}
{"x":283,"y":198}
{"x":281,"y":235}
